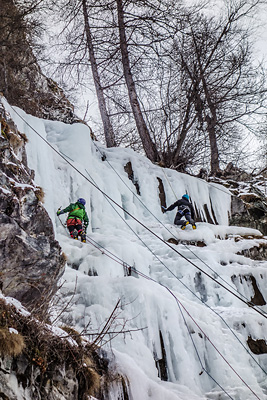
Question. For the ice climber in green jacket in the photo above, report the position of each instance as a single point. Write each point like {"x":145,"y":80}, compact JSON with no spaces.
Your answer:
{"x":77,"y":221}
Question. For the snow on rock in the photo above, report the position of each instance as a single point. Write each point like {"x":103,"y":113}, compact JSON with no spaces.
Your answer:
{"x":185,"y":336}
{"x":29,"y":253}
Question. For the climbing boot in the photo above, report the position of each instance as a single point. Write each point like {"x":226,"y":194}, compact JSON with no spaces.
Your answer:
{"x":194,"y":226}
{"x":83,"y":237}
{"x":184,"y":225}
{"x":75,"y":234}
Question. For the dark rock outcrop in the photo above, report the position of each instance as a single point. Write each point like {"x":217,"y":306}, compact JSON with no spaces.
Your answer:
{"x":51,"y":364}
{"x":162,"y":196}
{"x":251,"y":284}
{"x":31,"y":258}
{"x":248,"y":202}
{"x":129,"y":169}
{"x":21,"y":79}
{"x":258,"y":346}
{"x":256,"y":252}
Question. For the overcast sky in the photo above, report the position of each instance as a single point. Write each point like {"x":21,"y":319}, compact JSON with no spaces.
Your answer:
{"x":87,"y":97}
{"x":262,"y":43}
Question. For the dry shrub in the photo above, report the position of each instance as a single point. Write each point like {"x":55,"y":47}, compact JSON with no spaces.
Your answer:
{"x":11,"y":133}
{"x":93,"y":380}
{"x":75,"y":335}
{"x":4,"y":128}
{"x":64,"y":256}
{"x":249,"y":197}
{"x":15,"y":140}
{"x":89,"y":379}
{"x":39,"y":193}
{"x":11,"y":343}
{"x":47,"y":351}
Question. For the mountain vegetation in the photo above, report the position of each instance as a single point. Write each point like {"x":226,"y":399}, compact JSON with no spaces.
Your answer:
{"x":178,"y":83}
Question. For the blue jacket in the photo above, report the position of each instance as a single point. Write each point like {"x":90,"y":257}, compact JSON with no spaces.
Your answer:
{"x":182,"y":204}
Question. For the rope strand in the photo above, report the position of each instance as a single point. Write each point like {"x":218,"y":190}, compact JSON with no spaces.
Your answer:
{"x":108,"y":197}
{"x":135,"y":219}
{"x":165,"y":227}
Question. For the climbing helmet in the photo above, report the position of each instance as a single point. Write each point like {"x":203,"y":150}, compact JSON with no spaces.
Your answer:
{"x":81,"y":201}
{"x":185,"y":196}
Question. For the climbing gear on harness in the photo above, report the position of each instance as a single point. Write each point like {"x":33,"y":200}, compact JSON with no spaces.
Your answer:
{"x":183,"y":210}
{"x":85,"y":226}
{"x":74,"y":234}
{"x":72,"y":221}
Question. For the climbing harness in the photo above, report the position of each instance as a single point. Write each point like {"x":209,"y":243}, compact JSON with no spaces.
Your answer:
{"x":73,"y":234}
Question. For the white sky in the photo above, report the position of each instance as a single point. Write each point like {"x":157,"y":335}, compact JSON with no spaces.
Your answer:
{"x":87,"y":96}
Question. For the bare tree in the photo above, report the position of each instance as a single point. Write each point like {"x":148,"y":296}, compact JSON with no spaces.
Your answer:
{"x":228,"y":88}
{"x":108,"y":129}
{"x":185,"y":80}
{"x":148,"y":145}
{"x":153,"y":79}
{"x":80,"y":44}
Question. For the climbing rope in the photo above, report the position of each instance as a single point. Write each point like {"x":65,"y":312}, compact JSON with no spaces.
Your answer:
{"x":139,"y":222}
{"x":115,"y":258}
{"x":126,"y":213}
{"x":186,"y":246}
{"x":163,"y":169}
{"x":118,"y":260}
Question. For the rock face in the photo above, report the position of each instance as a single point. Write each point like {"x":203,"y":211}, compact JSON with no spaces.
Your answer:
{"x":31,"y":258}
{"x":41,"y":361}
{"x":250,"y":210}
{"x":249,"y":202}
{"x":21,"y":79}
{"x":47,"y":364}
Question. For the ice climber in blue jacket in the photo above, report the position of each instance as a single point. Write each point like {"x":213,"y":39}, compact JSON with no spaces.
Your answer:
{"x":185,"y":209}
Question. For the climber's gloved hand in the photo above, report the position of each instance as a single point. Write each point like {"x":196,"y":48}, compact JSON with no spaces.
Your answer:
{"x":59,"y":212}
{"x":164,"y":209}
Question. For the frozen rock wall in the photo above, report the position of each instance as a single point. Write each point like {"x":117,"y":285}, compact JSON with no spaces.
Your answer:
{"x":31,"y":258}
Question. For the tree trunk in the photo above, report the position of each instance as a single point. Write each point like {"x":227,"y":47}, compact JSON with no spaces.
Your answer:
{"x":184,"y":130}
{"x":214,"y":153}
{"x":212,"y":120}
{"x":148,"y":145}
{"x":108,"y":129}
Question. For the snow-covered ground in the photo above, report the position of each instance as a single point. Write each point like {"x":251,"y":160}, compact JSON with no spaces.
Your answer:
{"x":172,"y":306}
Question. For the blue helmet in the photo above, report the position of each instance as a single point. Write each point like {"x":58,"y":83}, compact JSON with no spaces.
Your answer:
{"x":185,"y":196}
{"x":81,"y":201}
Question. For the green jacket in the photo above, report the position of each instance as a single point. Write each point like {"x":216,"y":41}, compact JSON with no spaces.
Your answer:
{"x":77,"y":210}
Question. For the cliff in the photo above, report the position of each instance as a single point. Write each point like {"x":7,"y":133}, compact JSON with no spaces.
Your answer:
{"x":21,"y":79}
{"x":37,"y":359}
{"x":31,"y":258}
